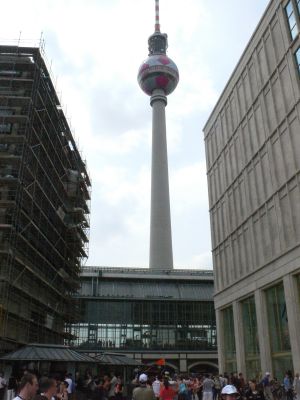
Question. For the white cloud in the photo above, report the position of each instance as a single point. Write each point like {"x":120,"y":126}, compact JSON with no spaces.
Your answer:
{"x":96,"y":48}
{"x":202,"y":260}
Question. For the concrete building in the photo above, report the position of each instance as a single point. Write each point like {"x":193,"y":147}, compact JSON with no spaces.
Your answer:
{"x":252,"y":141}
{"x":148,"y":315}
{"x":44,"y":197}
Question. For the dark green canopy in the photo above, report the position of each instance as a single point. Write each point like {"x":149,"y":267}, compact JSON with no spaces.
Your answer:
{"x":115,"y":359}
{"x":47,"y":352}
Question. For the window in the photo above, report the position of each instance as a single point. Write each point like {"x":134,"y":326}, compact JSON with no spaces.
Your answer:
{"x":250,"y":337}
{"x":291,"y":19}
{"x":10,"y":73}
{"x":279,"y":330}
{"x":297,"y":57}
{"x":229,"y":339}
{"x":130,"y":324}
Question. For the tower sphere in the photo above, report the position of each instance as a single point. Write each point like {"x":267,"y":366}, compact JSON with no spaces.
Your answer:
{"x":158,"y":71}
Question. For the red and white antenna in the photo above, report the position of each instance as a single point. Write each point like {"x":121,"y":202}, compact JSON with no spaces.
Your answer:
{"x":157,"y":25}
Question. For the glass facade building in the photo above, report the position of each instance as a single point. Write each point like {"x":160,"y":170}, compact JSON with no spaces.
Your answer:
{"x":146,"y":325}
{"x":141,"y":311}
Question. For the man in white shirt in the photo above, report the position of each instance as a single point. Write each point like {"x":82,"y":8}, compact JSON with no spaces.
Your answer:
{"x":156,"y":385}
{"x":68,"y":379}
{"x":207,"y":386}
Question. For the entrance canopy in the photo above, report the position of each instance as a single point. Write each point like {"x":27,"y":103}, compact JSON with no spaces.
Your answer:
{"x":47,"y":352}
{"x":115,"y":359}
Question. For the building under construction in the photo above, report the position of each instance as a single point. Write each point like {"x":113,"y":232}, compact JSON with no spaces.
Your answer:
{"x":44,"y":204}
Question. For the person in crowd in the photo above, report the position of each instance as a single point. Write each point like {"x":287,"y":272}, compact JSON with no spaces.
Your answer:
{"x":296,"y":385}
{"x":143,"y":392}
{"x":79,"y":385}
{"x":28,"y":387}
{"x":197,"y":388}
{"x":68,"y":379}
{"x":62,"y":393}
{"x":166,"y":392}
{"x":229,"y":392}
{"x":207,"y":388}
{"x":2,"y":385}
{"x":106,"y":386}
{"x":266,"y":383}
{"x":182,"y":389}
{"x":48,"y":389}
{"x":113,"y":383}
{"x":241,"y":383}
{"x":234,"y":380}
{"x":156,"y":385}
{"x":98,"y":393}
{"x":253,"y":392}
{"x":288,"y":385}
{"x":119,"y":388}
{"x":217,"y":387}
{"x":12,"y":387}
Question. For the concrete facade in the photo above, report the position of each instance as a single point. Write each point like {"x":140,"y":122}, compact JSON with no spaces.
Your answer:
{"x":158,"y":77}
{"x":252,"y":141}
{"x":161,"y":253}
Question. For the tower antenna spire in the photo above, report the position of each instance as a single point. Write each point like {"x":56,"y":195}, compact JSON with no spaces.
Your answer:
{"x":157,"y":24}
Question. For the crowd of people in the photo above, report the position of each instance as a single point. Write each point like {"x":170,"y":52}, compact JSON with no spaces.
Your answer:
{"x":163,"y":386}
{"x":217,"y":387}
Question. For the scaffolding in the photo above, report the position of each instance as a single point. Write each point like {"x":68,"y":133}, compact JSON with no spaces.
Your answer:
{"x":44,"y":204}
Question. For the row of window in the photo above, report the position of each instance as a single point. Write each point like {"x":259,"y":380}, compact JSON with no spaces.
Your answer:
{"x":128,"y":336}
{"x":148,"y":312}
{"x":277,"y":322}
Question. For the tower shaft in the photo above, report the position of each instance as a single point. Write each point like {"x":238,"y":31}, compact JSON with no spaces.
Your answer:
{"x":161,"y":254}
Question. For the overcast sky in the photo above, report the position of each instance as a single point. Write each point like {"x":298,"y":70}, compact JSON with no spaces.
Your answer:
{"x":95,"y":48}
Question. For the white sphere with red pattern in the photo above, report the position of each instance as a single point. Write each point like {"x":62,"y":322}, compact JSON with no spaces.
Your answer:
{"x":158,"y":72}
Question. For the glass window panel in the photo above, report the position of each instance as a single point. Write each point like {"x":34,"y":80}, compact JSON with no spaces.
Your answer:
{"x":229,"y":339}
{"x":278,"y":328}
{"x":297,"y":56}
{"x":289,"y":9}
{"x":291,"y":19}
{"x":294,"y":31}
{"x":166,"y":325}
{"x":250,"y":337}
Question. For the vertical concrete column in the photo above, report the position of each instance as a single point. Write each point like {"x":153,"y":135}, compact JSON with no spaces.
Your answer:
{"x":182,"y":366}
{"x":220,"y":341}
{"x":161,"y":253}
{"x":263,"y":331}
{"x":239,"y":337}
{"x":293,"y":313}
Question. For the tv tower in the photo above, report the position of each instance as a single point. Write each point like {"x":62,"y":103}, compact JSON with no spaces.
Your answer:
{"x":158,"y":76}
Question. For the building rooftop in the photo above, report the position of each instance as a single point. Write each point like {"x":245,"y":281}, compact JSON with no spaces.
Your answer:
{"x":145,"y":284}
{"x":147,"y":273}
